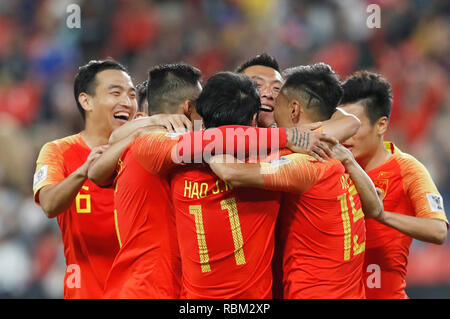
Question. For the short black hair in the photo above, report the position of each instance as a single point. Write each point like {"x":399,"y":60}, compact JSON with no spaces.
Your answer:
{"x":228,"y":99}
{"x":261,"y":59}
{"x":171,"y":84}
{"x":141,"y":90}
{"x":371,"y":90}
{"x":317,"y":85}
{"x":85,"y":78}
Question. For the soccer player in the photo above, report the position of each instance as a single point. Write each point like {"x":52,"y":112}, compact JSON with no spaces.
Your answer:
{"x":147,"y":265}
{"x":413,"y":206}
{"x":264,"y":70}
{"x":106,"y":98}
{"x":322,"y":221}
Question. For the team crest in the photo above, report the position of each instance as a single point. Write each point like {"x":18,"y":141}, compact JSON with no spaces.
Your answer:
{"x":383,"y":185}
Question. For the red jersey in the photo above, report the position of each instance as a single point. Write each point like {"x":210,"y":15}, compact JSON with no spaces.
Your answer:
{"x":322,"y":228}
{"x":409,"y":190}
{"x":87,"y":227}
{"x":226,"y":236}
{"x":148,"y":263}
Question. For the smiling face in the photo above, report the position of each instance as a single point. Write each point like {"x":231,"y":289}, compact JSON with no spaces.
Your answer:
{"x":114,"y":102}
{"x":269,"y":82}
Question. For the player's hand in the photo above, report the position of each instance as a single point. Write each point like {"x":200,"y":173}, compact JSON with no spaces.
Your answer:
{"x":96,"y":152}
{"x":304,"y":140}
{"x":177,"y":123}
{"x":342,"y":154}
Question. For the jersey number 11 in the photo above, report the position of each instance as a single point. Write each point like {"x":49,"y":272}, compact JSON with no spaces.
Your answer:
{"x":230,"y":206}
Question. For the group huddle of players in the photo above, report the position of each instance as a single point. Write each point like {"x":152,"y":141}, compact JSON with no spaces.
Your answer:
{"x":306,"y":201}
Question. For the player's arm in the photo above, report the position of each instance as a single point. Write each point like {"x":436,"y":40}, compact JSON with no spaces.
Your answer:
{"x":103,"y":170}
{"x":56,"y":198}
{"x":342,"y":125}
{"x":429,"y":223}
{"x":236,"y":173}
{"x":371,"y":204}
{"x":293,"y":173}
{"x":305,"y":140}
{"x":156,"y":152}
{"x":251,"y":140}
{"x":172,"y":122}
{"x":429,"y":230}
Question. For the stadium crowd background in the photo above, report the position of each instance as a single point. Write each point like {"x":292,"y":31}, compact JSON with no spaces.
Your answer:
{"x":39,"y":56}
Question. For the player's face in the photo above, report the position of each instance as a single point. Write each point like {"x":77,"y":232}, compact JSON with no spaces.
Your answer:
{"x":282,"y":112}
{"x":114,"y":102}
{"x":269,"y":82}
{"x":366,"y":140}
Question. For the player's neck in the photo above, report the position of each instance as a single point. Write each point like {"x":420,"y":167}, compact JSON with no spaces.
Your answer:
{"x":95,"y":135}
{"x":377,"y":158}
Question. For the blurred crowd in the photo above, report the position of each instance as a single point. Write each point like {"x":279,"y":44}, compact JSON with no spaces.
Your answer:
{"x":39,"y":56}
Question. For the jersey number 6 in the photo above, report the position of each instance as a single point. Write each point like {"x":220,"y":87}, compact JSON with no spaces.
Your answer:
{"x":87,"y":200}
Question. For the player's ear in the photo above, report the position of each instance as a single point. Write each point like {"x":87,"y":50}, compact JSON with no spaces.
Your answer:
{"x":141,"y":114}
{"x":186,"y":108}
{"x":381,"y":125}
{"x":85,"y":101}
{"x":295,"y":109}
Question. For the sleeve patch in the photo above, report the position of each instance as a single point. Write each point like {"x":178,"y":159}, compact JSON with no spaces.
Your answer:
{"x":279,"y":162}
{"x":174,"y":135}
{"x":435,"y":202}
{"x":40,"y":176}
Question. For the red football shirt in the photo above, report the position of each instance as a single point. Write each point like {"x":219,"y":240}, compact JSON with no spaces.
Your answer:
{"x":148,"y":263}
{"x":407,"y":189}
{"x":226,"y":236}
{"x":322,"y":228}
{"x":87,"y":227}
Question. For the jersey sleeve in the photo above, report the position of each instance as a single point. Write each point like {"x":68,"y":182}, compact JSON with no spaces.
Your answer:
{"x":420,"y":188}
{"x":237,"y":140}
{"x":156,"y":152}
{"x":294,"y":173}
{"x":49,"y":168}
